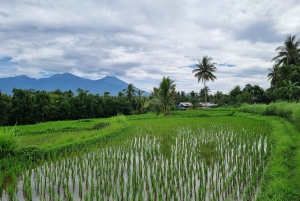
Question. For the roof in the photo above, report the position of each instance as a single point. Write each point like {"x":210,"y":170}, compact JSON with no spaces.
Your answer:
{"x":186,"y":104}
{"x":209,"y":104}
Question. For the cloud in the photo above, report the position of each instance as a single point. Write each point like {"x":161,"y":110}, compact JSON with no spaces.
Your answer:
{"x":260,"y":31}
{"x":226,"y":65}
{"x":143,"y":40}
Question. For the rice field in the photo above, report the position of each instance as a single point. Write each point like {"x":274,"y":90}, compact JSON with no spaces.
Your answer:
{"x":216,"y":158}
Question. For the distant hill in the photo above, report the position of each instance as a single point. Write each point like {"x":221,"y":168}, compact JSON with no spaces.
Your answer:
{"x":64,"y":82}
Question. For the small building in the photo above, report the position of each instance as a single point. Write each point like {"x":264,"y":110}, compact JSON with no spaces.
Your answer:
{"x":184,"y":106}
{"x":209,"y":105}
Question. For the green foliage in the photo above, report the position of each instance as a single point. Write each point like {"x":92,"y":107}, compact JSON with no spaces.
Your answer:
{"x":204,"y":71}
{"x":163,"y":97}
{"x":288,"y":110}
{"x":8,"y":142}
{"x":31,"y":107}
{"x":119,"y":119}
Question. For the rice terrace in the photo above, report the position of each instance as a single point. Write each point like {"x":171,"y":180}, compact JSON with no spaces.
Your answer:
{"x":214,"y":154}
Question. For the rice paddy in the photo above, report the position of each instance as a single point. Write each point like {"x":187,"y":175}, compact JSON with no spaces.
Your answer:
{"x":215,"y":158}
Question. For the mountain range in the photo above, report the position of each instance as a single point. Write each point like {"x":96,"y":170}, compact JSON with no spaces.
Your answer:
{"x":65,"y":82}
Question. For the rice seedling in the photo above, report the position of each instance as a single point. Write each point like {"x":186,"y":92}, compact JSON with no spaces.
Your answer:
{"x":177,"y":159}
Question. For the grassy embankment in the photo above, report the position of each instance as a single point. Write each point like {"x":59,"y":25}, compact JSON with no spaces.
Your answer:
{"x":281,"y":180}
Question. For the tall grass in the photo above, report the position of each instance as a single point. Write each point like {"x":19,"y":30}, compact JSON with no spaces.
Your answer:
{"x":288,"y":110}
{"x":8,"y":142}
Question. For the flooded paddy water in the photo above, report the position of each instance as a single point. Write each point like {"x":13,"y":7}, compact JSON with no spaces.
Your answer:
{"x":193,"y":164}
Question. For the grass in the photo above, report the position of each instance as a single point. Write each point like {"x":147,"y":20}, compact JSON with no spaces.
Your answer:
{"x":280,"y":178}
{"x":288,"y":110}
{"x":191,"y":150}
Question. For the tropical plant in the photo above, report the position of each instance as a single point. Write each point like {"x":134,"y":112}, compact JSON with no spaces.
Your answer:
{"x":204,"y":72}
{"x":204,"y":92}
{"x":219,"y":98}
{"x":129,"y":92}
{"x":139,"y":100}
{"x":290,"y":89}
{"x":274,"y":75}
{"x":164,"y":95}
{"x":289,"y":53}
{"x":8,"y":142}
{"x":194,"y":99}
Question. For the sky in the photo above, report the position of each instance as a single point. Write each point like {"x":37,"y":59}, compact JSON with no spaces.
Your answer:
{"x":140,"y":41}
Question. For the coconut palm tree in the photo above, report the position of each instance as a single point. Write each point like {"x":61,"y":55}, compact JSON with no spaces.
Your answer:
{"x":129,"y":92}
{"x":289,"y":53}
{"x":274,"y":75}
{"x":164,"y":95}
{"x":204,"y":71}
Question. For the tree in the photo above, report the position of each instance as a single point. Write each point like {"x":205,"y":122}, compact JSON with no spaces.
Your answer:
{"x":5,"y":108}
{"x":129,"y":92}
{"x":204,"y":71}
{"x":204,"y":93}
{"x":291,"y":89}
{"x":194,"y":99}
{"x":164,"y":95}
{"x":219,"y":98}
{"x":274,"y":75}
{"x":289,"y":53}
{"x":139,"y":101}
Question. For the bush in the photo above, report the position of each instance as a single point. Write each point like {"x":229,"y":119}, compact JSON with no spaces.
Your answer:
{"x":8,"y":142}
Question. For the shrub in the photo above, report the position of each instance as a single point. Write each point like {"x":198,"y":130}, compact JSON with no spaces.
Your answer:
{"x":8,"y":142}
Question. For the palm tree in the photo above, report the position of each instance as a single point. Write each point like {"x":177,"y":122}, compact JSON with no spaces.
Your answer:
{"x":289,"y":53}
{"x":274,"y":75}
{"x":164,"y":95}
{"x":219,"y":98}
{"x":194,"y":99}
{"x":204,"y":72}
{"x":138,"y":100}
{"x":129,"y":92}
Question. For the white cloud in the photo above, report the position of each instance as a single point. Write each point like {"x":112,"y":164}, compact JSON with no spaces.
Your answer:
{"x":141,"y":41}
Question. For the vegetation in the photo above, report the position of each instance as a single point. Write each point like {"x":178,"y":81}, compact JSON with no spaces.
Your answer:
{"x":234,"y":156}
{"x":290,"y":111}
{"x":163,"y":97}
{"x":31,"y":107}
{"x":289,"y":53}
{"x":8,"y":142}
{"x":205,"y":71}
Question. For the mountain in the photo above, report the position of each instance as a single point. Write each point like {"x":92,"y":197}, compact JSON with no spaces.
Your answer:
{"x":64,"y":82}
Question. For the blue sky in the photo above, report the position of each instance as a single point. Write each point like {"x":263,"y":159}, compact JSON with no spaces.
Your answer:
{"x":142,"y":41}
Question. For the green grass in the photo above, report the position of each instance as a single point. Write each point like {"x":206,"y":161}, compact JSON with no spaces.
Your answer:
{"x":56,"y":126}
{"x":280,"y":180}
{"x":288,"y":110}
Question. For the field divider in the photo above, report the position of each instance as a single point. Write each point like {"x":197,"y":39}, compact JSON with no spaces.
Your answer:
{"x":282,"y":175}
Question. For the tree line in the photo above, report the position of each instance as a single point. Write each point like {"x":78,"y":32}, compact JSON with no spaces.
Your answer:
{"x":30,"y":106}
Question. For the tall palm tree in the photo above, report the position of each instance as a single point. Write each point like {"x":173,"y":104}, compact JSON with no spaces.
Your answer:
{"x":274,"y":75}
{"x":164,"y":95}
{"x":289,"y":53}
{"x":204,"y":72}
